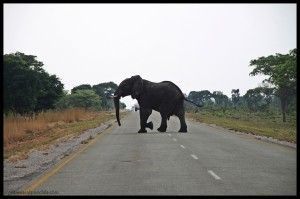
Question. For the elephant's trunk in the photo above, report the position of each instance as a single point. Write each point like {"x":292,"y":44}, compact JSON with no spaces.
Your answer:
{"x":117,"y":107}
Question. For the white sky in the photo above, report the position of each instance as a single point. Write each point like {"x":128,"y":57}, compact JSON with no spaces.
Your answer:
{"x":197,"y":46}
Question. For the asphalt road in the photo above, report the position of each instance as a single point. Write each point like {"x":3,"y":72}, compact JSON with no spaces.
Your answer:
{"x":204,"y":161}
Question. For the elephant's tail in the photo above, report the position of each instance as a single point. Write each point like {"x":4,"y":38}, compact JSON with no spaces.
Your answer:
{"x":193,"y":102}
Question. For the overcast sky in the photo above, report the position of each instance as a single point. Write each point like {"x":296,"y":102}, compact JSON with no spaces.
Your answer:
{"x":197,"y":46}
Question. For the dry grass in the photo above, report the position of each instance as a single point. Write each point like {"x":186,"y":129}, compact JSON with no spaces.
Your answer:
{"x":24,"y":133}
{"x":17,"y":127}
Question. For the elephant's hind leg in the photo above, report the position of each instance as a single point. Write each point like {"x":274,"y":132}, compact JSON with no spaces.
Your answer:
{"x":183,"y":126}
{"x":163,"y":125}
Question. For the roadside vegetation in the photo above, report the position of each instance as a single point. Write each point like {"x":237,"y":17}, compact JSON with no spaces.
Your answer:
{"x":268,"y":110}
{"x":267,"y":124}
{"x":23,"y":133}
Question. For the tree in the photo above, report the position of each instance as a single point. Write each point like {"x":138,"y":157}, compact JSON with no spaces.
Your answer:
{"x":27,"y":86}
{"x":80,"y":99}
{"x":235,"y":96}
{"x":267,"y":94}
{"x":200,"y":97}
{"x":281,"y":69}
{"x":258,"y":98}
{"x":221,"y":100}
{"x":105,"y":90}
{"x":81,"y":87}
{"x":50,"y":92}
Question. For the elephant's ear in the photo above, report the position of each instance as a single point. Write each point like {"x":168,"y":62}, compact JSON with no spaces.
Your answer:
{"x":137,"y":87}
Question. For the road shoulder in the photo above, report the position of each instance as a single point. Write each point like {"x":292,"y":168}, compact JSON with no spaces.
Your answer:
{"x":17,"y":175}
{"x":258,"y":137}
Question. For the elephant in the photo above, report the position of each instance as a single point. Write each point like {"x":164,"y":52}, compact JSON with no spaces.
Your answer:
{"x":164,"y":97}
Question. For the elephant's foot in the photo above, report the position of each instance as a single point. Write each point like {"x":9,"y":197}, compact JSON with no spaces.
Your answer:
{"x":149,"y":125}
{"x":142,"y":131}
{"x":161,"y":129}
{"x":182,"y":130}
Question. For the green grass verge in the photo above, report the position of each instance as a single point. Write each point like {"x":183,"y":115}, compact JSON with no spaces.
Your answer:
{"x":263,"y":124}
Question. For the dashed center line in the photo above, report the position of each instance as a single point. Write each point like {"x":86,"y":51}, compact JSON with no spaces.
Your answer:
{"x":214,"y":175}
{"x":194,"y":156}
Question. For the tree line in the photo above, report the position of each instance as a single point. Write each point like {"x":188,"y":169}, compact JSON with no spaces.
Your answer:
{"x":28,"y":88}
{"x":256,"y":99}
{"x":278,"y":90}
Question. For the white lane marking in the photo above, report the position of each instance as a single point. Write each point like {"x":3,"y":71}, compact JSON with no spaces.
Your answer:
{"x":169,"y":134}
{"x":214,"y":175}
{"x":182,"y":146}
{"x":194,"y":156}
{"x":175,"y":139}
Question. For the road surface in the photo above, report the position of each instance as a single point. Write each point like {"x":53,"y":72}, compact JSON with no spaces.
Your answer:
{"x":204,"y":161}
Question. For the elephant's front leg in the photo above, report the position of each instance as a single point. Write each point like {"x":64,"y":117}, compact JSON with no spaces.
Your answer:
{"x":144,"y":114}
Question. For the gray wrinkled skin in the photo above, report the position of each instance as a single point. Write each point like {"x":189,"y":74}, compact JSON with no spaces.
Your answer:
{"x":17,"y":175}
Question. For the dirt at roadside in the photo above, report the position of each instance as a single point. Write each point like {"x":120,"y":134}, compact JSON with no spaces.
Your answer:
{"x":18,"y":174}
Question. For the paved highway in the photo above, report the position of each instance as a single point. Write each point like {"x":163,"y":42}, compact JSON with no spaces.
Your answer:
{"x":204,"y":161}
